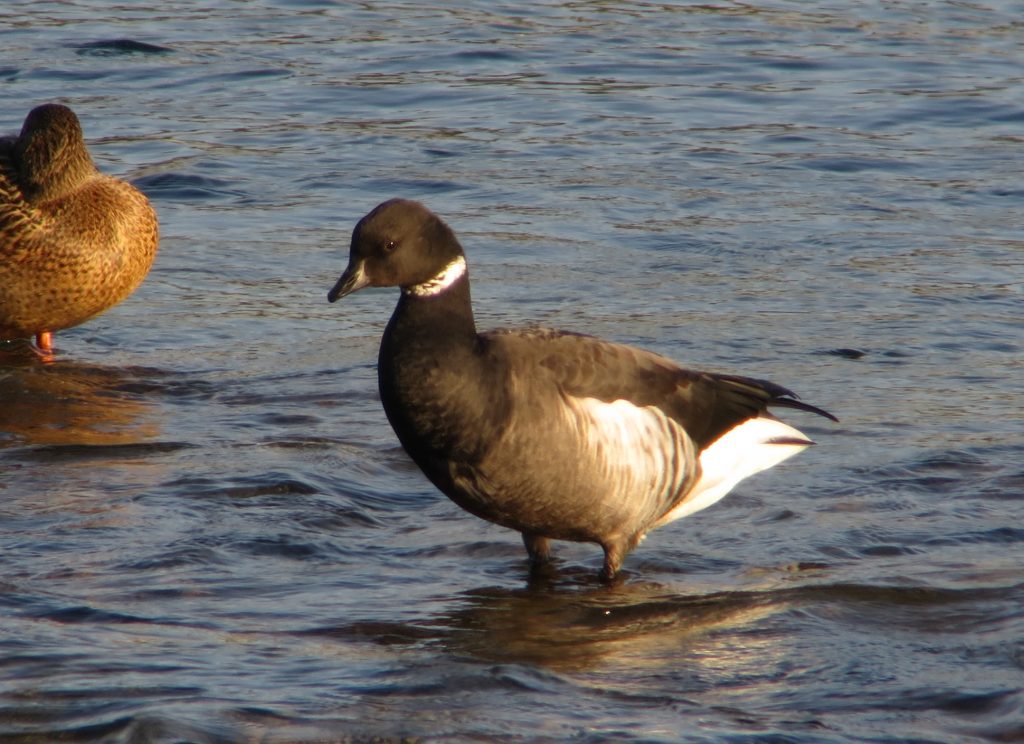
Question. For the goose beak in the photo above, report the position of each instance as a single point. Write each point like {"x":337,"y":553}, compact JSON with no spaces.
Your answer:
{"x":353,"y":278}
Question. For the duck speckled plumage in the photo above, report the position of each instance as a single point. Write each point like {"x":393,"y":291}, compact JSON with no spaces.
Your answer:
{"x":556,"y":435}
{"x":73,"y":241}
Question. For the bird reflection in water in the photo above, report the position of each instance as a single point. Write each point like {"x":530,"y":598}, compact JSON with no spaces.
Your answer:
{"x":67,"y":403}
{"x":631,"y":623}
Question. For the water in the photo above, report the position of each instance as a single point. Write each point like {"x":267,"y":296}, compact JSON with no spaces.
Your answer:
{"x":208,"y":532}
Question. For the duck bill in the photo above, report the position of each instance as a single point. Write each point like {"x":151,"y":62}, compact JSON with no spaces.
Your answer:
{"x":353,"y":279}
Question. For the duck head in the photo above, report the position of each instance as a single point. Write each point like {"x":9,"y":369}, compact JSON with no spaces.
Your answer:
{"x":51,"y":151}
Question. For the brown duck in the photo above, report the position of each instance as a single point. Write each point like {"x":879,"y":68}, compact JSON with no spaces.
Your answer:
{"x":73,"y":241}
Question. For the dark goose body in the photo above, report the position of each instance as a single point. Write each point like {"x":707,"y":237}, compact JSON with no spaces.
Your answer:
{"x":556,"y":435}
{"x":73,"y":241}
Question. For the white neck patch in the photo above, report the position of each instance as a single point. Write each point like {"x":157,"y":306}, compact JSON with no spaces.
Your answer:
{"x":444,"y":279}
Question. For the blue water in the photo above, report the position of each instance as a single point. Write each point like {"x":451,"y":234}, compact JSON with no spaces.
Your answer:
{"x":208,"y":532}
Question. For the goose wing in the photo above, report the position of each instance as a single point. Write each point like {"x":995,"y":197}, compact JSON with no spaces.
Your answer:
{"x":706,"y":405}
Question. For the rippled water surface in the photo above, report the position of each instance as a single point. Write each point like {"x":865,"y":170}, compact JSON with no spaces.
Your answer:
{"x":208,"y":532}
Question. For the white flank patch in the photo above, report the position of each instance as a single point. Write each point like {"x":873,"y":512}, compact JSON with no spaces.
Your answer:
{"x":646,"y":456}
{"x":755,"y":445}
{"x":446,"y":278}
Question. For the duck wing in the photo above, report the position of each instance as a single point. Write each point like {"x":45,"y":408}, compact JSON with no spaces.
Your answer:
{"x":17,"y":217}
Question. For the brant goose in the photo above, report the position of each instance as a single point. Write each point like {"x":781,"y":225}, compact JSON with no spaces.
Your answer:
{"x":556,"y":435}
{"x":73,"y":242}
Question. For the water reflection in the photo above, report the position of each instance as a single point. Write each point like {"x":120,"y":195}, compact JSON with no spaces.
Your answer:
{"x":573,"y":631}
{"x":577,"y":627}
{"x":69,"y":403}
{"x":581,"y":626}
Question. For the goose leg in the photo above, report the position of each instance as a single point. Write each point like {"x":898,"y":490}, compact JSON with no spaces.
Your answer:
{"x":614,"y":554}
{"x":538,"y":548}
